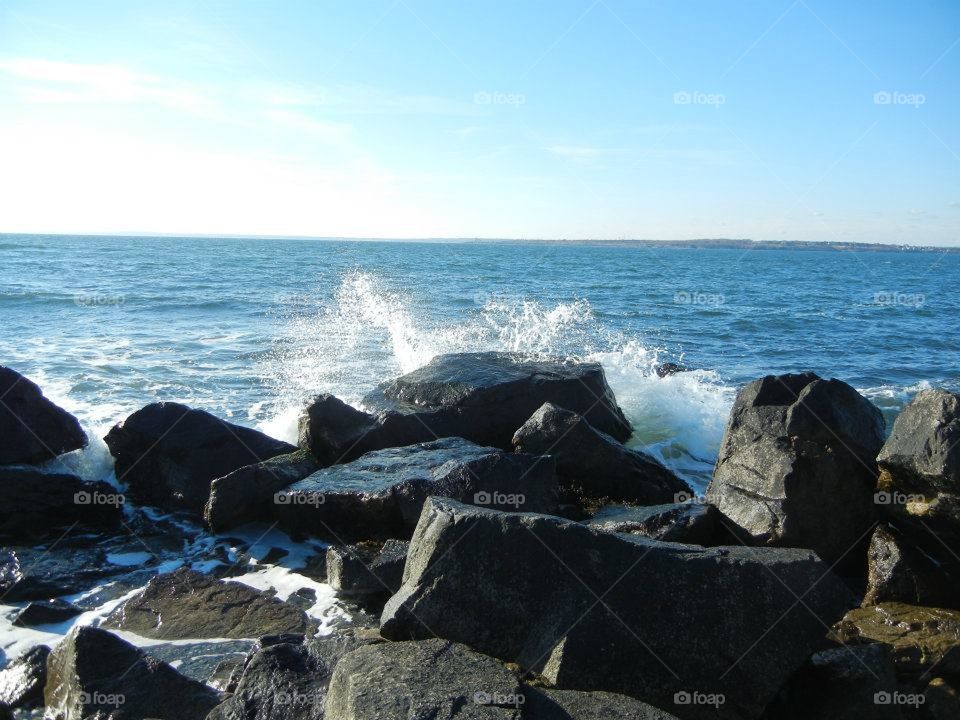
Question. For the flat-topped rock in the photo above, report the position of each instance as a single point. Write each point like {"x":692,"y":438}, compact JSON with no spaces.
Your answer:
{"x":673,"y":618}
{"x":592,"y":464}
{"x":483,"y":397}
{"x":169,"y":453}
{"x":32,"y":428}
{"x":687,"y":522}
{"x":380,"y":495}
{"x":188,"y":604}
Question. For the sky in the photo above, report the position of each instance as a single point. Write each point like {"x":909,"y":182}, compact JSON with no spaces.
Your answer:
{"x":662,"y":119}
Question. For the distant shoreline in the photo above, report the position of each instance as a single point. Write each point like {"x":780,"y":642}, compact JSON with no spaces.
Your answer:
{"x":698,"y":244}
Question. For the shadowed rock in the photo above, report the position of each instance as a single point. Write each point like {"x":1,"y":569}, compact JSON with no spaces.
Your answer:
{"x":33,"y":429}
{"x":796,"y":465}
{"x":552,"y":704}
{"x":46,"y":612}
{"x":689,"y":522}
{"x":380,"y":495}
{"x":913,"y":570}
{"x":170,"y":453}
{"x":366,"y":570}
{"x":591,"y":464}
{"x":93,"y":670}
{"x":188,"y":604}
{"x":524,"y":588}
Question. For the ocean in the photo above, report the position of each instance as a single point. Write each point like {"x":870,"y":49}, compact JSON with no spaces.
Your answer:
{"x":249,"y":329}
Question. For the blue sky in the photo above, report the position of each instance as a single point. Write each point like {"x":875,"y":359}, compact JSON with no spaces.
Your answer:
{"x":667,"y":119}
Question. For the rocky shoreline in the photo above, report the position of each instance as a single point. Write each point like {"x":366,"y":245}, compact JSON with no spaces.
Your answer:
{"x":479,"y":542}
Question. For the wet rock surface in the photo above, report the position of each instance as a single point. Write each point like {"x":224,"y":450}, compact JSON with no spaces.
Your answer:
{"x":169,"y":453}
{"x":188,"y":604}
{"x":380,"y":495}
{"x":32,"y":428}
{"x":592,"y":464}
{"x":796,"y":466}
{"x":93,"y":670}
{"x":22,"y":681}
{"x":690,"y":522}
{"x":496,"y":582}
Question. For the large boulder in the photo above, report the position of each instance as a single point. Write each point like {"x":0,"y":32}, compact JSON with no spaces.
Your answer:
{"x":913,"y":570}
{"x":188,"y":604}
{"x":32,"y":428}
{"x":429,"y":679}
{"x":170,"y":453}
{"x":920,"y":638}
{"x":380,"y":495}
{"x":591,"y":464}
{"x":592,"y":610}
{"x":553,"y":704}
{"x":93,"y":671}
{"x":796,"y":466}
{"x":287,"y":681}
{"x":246,"y":494}
{"x":22,"y":681}
{"x":35,"y":505}
{"x":483,"y":397}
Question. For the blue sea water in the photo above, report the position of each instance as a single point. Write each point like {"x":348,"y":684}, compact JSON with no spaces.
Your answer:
{"x":250,"y":328}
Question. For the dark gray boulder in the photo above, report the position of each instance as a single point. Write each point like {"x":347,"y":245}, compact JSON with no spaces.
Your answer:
{"x":33,"y":429}
{"x":911,"y":569}
{"x":45,"y":612}
{"x":483,"y":397}
{"x":364,"y":569}
{"x":246,"y":494}
{"x":692,"y":523}
{"x":170,"y":453}
{"x":35,"y":505}
{"x":593,"y":465}
{"x":796,"y":466}
{"x":287,"y":681}
{"x":379,"y":495}
{"x":552,"y":704}
{"x":93,"y":670}
{"x":39,"y":573}
{"x":432,"y":679}
{"x":188,"y":604}
{"x":671,"y":618}
{"x":22,"y":680}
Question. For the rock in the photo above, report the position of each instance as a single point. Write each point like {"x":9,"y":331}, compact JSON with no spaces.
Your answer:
{"x":669,"y":368}
{"x":552,"y":704}
{"x":380,"y":495}
{"x":591,"y":464}
{"x":428,"y":679}
{"x":942,"y":700}
{"x":920,"y":637}
{"x":22,"y":681}
{"x":42,"y":573}
{"x":46,"y":612}
{"x":246,"y":494}
{"x":688,"y":522}
{"x":33,"y":429}
{"x":170,"y":453}
{"x":188,"y":604}
{"x":923,"y":450}
{"x":915,"y":571}
{"x":93,"y":670}
{"x":37,"y":505}
{"x":287,"y":681}
{"x":525,"y":588}
{"x":365,"y":570}
{"x":483,"y":397}
{"x":796,"y":465}
{"x":843,"y":683}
